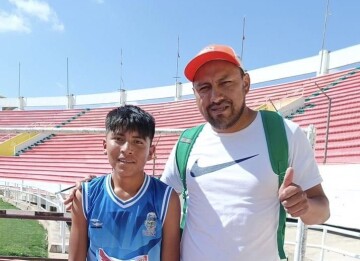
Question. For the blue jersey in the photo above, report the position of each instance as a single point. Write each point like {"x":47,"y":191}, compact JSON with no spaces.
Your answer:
{"x":125,"y":230}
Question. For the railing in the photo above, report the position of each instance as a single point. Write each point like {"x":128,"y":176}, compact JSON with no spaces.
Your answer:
{"x":323,"y":247}
{"x":47,"y":206}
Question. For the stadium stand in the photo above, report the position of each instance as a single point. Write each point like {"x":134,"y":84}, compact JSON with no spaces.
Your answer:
{"x":344,"y":128}
{"x":66,"y":158}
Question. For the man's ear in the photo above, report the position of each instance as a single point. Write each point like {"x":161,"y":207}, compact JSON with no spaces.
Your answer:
{"x":104,"y":146}
{"x":246,"y":82}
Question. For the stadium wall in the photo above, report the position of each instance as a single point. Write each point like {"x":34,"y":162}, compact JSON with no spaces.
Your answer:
{"x":341,"y":185}
{"x":319,"y":64}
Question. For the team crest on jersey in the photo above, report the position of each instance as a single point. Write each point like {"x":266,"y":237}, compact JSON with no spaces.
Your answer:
{"x":95,"y":223}
{"x":150,"y":224}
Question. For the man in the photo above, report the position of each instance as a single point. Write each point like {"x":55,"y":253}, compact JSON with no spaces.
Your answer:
{"x":234,"y":195}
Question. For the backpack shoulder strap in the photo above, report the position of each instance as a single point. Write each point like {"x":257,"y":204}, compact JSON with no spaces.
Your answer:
{"x":278,"y":151}
{"x":183,"y":148}
{"x":276,"y":141}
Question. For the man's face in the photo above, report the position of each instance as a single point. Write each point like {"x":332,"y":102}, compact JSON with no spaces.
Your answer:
{"x":127,"y":152}
{"x":220,"y":90}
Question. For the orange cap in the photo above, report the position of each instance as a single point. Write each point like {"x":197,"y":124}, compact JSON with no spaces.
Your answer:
{"x":211,"y":53}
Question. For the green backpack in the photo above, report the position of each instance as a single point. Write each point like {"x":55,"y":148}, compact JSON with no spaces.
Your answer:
{"x":278,"y":152}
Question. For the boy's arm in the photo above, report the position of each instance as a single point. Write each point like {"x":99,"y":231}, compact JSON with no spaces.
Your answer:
{"x":170,"y":248}
{"x":78,"y":234}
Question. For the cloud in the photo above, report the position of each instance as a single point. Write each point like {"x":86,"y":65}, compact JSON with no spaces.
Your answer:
{"x":29,"y":9}
{"x":12,"y":23}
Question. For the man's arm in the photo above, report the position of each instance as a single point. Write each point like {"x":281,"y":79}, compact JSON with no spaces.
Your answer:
{"x":319,"y":210}
{"x":170,"y":248}
{"x":312,"y":205}
{"x":77,"y":186}
{"x":78,"y":234}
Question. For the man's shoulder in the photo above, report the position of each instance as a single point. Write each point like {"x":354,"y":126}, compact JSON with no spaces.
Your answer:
{"x":158,"y":182}
{"x":291,"y":123}
{"x":293,"y":129}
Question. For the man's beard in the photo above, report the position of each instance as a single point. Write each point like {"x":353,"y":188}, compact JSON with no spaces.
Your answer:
{"x":223,"y":123}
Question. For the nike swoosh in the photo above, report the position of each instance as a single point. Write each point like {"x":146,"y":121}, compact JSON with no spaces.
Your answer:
{"x":205,"y":170}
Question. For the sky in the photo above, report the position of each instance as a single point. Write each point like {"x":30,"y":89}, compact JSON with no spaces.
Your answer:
{"x":56,"y":47}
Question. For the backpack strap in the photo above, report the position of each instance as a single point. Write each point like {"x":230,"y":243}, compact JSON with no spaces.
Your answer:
{"x":278,"y":152}
{"x":183,"y":148}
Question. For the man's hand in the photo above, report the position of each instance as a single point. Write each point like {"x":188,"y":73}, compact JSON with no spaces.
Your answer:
{"x":69,"y":199}
{"x":292,"y":197}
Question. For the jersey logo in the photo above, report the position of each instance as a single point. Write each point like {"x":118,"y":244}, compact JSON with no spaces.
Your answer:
{"x":150,"y":225}
{"x":95,"y":223}
{"x":197,"y":171}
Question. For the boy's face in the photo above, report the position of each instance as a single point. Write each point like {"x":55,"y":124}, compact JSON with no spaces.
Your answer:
{"x":127,"y":152}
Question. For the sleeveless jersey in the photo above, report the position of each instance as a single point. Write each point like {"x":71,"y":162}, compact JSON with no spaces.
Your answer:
{"x":125,"y":230}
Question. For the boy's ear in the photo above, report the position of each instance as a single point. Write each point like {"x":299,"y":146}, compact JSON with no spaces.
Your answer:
{"x":152,"y":150}
{"x":104,"y":146}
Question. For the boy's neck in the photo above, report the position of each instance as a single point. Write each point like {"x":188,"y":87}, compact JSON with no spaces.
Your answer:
{"x":126,"y":187}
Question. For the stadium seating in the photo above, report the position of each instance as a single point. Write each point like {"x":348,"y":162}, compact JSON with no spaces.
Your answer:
{"x":65,"y":158}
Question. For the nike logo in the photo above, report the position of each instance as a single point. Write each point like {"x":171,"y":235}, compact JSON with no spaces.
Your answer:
{"x":205,"y":170}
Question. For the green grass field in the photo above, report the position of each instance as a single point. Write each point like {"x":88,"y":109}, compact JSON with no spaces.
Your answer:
{"x":21,"y":237}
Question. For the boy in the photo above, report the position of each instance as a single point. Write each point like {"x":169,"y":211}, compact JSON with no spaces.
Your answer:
{"x":126,"y":215}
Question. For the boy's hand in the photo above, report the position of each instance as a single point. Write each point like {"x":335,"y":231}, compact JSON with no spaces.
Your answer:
{"x":69,"y":199}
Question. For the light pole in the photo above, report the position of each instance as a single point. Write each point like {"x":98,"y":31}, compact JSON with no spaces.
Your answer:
{"x":19,"y":93}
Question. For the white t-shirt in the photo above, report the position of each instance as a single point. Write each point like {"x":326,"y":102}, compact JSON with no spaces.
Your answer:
{"x":233,"y":206}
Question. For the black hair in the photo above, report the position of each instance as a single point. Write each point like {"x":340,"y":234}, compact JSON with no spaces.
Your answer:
{"x":130,"y":118}
{"x":242,"y":72}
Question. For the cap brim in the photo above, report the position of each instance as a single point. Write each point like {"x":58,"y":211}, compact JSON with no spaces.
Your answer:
{"x":193,"y":66}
